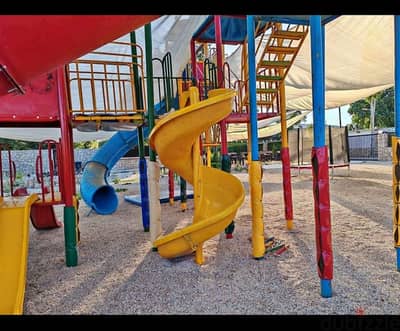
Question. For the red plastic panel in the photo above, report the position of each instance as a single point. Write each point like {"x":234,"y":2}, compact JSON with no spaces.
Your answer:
{"x":35,"y":44}
{"x":319,"y":159}
{"x":287,"y":183}
{"x":38,"y":104}
{"x":43,"y":217}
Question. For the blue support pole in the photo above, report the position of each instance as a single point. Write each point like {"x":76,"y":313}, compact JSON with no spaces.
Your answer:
{"x":323,"y":71}
{"x":397,"y":73}
{"x":320,"y":159}
{"x":255,"y":169}
{"x":397,"y":94}
{"x":318,"y":81}
{"x":252,"y":87}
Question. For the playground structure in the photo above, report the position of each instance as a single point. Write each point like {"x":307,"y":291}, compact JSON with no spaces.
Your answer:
{"x":260,"y":95}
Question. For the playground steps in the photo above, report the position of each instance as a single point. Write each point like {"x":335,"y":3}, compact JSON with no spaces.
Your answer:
{"x":280,"y":50}
{"x":274,"y":64}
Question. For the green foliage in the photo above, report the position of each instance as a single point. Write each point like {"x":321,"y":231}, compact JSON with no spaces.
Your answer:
{"x":237,"y":147}
{"x":93,"y":144}
{"x":19,"y":144}
{"x":384,"y":110}
{"x":216,"y":160}
{"x":274,"y":146}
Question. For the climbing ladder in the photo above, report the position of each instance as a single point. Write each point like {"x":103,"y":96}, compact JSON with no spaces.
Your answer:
{"x":276,"y":51}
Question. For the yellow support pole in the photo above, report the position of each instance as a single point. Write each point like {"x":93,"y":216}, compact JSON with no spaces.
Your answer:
{"x":256,"y":196}
{"x":282,"y":104}
{"x":396,"y":190}
{"x":255,"y":175}
{"x":194,"y":98}
{"x":208,"y":149}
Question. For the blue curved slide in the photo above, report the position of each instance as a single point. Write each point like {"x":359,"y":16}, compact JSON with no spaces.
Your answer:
{"x":94,"y":187}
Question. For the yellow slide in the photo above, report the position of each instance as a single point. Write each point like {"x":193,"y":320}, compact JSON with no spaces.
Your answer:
{"x":14,"y":242}
{"x":217,"y":194}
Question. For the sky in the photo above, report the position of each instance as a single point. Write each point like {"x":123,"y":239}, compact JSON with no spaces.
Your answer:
{"x":332,"y":116}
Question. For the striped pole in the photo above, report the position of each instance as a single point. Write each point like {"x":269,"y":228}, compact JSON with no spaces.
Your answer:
{"x":319,"y":160}
{"x":255,"y":171}
{"x":396,"y":141}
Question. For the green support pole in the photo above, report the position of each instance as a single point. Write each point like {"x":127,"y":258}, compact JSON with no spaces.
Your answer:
{"x":70,"y":236}
{"x":150,"y":88}
{"x":183,"y":194}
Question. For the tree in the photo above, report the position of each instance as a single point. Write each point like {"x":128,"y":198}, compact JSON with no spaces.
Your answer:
{"x":19,"y":144}
{"x":384,"y":111}
{"x":92,"y":144}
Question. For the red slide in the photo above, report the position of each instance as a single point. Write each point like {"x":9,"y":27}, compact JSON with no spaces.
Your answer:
{"x":35,"y":44}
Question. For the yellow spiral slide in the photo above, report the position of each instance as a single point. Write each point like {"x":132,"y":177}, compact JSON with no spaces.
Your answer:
{"x":14,"y":242}
{"x":217,"y":194}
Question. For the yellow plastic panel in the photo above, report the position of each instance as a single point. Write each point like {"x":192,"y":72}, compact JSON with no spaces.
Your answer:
{"x":14,"y":242}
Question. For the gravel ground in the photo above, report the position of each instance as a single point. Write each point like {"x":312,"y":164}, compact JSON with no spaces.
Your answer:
{"x":119,"y":274}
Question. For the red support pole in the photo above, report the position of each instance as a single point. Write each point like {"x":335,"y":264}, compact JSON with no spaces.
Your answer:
{"x":171,"y":186}
{"x":218,"y":44}
{"x":319,"y":160}
{"x":287,"y":185}
{"x":67,"y":148}
{"x":72,"y":159}
{"x":193,"y":60}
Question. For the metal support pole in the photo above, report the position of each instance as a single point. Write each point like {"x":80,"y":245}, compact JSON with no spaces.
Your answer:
{"x":67,"y":150}
{"x":396,"y":141}
{"x":255,"y":170}
{"x":319,"y":159}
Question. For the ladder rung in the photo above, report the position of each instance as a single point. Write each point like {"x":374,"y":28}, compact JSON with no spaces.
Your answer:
{"x":266,"y":90}
{"x":269,"y":78}
{"x":261,"y":103}
{"x":282,"y":34}
{"x":274,"y":64}
{"x":278,"y":49}
{"x":264,"y":103}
